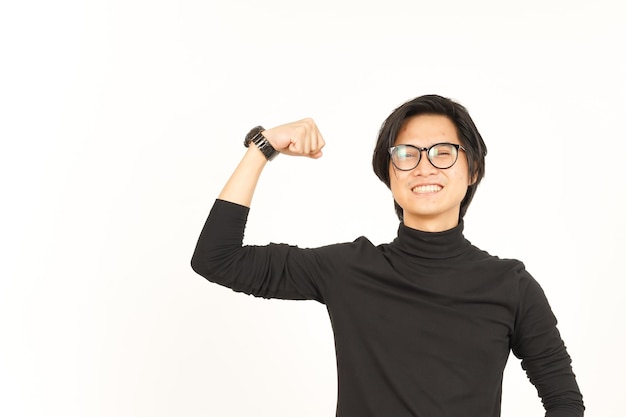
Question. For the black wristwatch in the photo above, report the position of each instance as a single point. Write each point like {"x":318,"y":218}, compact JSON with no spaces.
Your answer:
{"x":256,"y":136}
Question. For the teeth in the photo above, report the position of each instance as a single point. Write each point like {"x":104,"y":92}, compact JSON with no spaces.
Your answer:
{"x":426,"y":189}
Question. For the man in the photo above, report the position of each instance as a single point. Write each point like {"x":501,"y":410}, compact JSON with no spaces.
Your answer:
{"x":423,"y":325}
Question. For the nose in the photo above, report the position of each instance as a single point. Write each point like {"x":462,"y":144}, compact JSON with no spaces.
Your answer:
{"x":424,"y":166}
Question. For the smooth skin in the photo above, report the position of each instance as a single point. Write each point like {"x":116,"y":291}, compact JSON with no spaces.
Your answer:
{"x":430,"y":197}
{"x":301,"y":138}
{"x":434,"y":207}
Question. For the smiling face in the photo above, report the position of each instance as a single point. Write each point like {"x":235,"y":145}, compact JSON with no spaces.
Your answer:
{"x":430,"y":197}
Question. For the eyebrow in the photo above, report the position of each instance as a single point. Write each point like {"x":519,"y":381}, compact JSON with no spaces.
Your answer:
{"x":429,"y":146}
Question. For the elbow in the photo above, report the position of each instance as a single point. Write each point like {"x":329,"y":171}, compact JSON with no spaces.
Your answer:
{"x":200,"y":266}
{"x":195,"y":265}
{"x":214,"y":272}
{"x":217,"y":265}
{"x":208,"y":268}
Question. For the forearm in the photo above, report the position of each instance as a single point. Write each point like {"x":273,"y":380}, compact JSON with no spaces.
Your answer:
{"x":220,"y":256}
{"x":240,"y":187}
{"x":301,"y":138}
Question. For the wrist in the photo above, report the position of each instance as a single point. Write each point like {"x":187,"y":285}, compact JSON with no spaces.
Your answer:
{"x":254,"y":154}
{"x":255,"y":136}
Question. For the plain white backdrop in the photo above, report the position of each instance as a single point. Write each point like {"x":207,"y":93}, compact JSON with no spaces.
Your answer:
{"x":121,"y":120}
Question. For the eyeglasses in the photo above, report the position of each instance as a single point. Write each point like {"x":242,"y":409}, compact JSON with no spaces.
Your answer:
{"x":440,"y":155}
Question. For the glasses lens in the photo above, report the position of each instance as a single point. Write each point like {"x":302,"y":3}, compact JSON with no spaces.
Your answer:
{"x":405,"y":157}
{"x":443,"y":155}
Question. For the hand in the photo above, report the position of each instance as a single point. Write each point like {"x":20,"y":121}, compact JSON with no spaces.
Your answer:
{"x":301,"y":138}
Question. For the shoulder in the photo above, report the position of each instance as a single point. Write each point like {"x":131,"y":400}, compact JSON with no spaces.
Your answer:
{"x":511,"y":271}
{"x":513,"y":267}
{"x":513,"y":281}
{"x":360,"y":245}
{"x":358,"y":252}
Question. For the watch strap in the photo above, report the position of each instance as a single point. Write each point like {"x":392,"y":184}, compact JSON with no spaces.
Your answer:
{"x":256,"y":136}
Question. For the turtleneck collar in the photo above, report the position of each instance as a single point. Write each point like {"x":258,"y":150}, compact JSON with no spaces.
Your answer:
{"x":434,"y":245}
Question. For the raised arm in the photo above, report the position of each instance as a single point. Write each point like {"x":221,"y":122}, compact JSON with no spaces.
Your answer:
{"x":301,"y":138}
{"x":273,"y":271}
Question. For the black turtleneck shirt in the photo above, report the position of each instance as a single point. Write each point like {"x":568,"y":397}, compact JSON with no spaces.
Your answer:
{"x":423,"y":325}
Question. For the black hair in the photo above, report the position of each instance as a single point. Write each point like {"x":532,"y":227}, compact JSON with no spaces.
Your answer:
{"x":466,"y":129}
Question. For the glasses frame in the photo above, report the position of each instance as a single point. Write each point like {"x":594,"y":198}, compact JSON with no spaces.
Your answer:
{"x":427,"y":150}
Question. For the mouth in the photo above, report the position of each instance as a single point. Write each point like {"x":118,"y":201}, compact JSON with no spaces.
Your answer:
{"x":427,"y":189}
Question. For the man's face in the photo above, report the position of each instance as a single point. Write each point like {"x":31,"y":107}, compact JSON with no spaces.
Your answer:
{"x":430,"y":197}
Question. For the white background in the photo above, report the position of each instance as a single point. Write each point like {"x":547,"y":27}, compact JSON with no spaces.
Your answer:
{"x":121,"y":120}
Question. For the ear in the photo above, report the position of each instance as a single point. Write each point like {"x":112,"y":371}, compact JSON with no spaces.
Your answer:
{"x":473,"y":179}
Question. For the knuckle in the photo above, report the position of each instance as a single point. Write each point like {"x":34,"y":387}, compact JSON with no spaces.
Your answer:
{"x":301,"y":130}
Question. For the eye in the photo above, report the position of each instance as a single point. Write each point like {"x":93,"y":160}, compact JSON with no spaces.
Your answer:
{"x":405,"y":152}
{"x":443,"y":150}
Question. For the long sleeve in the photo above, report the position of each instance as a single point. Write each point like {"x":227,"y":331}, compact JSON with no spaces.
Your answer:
{"x":538,"y":344}
{"x":272,"y":271}
{"x":423,"y":325}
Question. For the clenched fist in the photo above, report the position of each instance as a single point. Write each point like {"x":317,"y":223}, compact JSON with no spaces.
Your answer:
{"x":301,"y":138}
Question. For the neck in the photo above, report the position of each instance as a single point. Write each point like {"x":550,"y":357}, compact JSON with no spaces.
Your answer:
{"x":438,"y":245}
{"x":431,"y":224}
